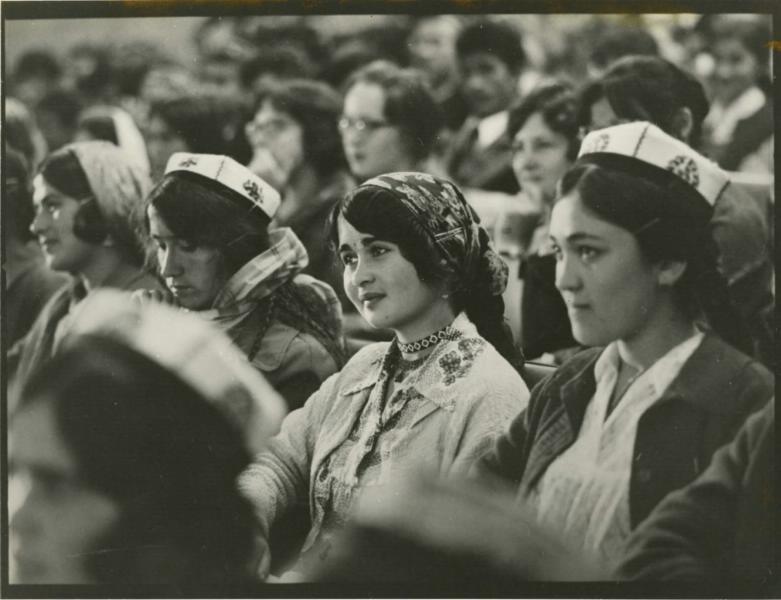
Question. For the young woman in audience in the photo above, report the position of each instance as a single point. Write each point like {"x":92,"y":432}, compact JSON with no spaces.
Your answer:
{"x":416,"y":262}
{"x":209,"y":221}
{"x":389,"y":121}
{"x":543,"y":128}
{"x":88,"y":199}
{"x":125,"y":449}
{"x":615,"y":429}
{"x":298,"y":150}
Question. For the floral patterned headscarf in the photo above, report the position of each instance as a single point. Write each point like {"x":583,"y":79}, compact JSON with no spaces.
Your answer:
{"x":451,"y":224}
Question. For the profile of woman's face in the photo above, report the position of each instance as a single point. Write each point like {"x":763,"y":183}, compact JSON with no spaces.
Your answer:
{"x":56,"y":519}
{"x":372,"y":144}
{"x":385,"y":287}
{"x":55,"y":215}
{"x":539,"y":156}
{"x":194,"y":274}
{"x":611,"y":290}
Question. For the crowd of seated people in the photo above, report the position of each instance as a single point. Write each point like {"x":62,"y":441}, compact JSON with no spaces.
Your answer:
{"x":411,"y":304}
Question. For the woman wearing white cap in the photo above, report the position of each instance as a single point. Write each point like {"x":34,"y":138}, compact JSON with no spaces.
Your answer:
{"x":208,"y":218}
{"x":614,"y":430}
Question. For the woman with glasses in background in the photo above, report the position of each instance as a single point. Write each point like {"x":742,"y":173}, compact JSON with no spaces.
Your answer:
{"x":297,"y":148}
{"x":389,"y":121}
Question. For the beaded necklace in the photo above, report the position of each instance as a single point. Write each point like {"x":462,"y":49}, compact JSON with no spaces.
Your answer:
{"x":430,"y":340}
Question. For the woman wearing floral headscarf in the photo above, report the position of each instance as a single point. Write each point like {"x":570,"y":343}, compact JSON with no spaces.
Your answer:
{"x":415,"y":262}
{"x":88,"y":199}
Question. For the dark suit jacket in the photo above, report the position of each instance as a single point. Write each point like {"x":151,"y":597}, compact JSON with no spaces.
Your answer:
{"x":702,"y":409}
{"x":486,"y":168}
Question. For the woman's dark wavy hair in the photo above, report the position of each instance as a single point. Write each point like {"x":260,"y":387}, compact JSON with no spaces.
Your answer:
{"x":409,"y":104}
{"x":316,"y":107}
{"x":377,"y":212}
{"x":648,"y":88}
{"x":669,"y":224}
{"x":164,"y":453}
{"x":558,"y":105}
{"x":204,"y":212}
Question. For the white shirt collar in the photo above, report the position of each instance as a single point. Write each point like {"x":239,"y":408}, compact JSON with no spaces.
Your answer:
{"x":491,"y":128}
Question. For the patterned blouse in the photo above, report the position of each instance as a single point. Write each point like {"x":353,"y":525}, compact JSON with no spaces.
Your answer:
{"x":349,"y":435}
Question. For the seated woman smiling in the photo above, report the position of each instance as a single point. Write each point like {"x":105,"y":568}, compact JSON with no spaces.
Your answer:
{"x":415,"y":262}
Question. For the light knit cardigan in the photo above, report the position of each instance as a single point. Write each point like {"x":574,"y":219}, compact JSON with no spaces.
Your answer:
{"x":465,"y":394}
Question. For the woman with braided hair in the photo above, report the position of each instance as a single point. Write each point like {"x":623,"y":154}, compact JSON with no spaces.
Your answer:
{"x":622,"y":424}
{"x":416,"y":262}
{"x":209,"y":220}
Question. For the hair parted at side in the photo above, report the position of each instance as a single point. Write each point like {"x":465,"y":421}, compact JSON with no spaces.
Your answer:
{"x":378,"y":212}
{"x":557,"y":104}
{"x":667,"y":227}
{"x":163,"y":452}
{"x":315,"y":106}
{"x":204,"y":212}
{"x":409,"y":104}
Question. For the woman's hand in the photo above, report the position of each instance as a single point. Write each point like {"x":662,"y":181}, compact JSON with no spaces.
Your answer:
{"x":266,"y":166}
{"x":160,"y":296}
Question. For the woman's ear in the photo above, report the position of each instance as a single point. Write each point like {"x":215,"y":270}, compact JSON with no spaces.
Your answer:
{"x":668,"y":272}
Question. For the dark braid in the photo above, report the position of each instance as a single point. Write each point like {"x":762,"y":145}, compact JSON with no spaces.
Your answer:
{"x":302,"y":308}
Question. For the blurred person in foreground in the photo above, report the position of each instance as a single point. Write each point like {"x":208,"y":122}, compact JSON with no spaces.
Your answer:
{"x":208,"y":219}
{"x":125,"y":449}
{"x":88,"y":199}
{"x":652,"y":89}
{"x":415,"y":262}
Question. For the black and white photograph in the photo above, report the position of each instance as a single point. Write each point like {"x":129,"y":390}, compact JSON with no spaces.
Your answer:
{"x":388,"y":299}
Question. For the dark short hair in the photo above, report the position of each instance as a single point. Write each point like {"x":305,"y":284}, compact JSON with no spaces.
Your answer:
{"x":38,"y":62}
{"x":99,"y":123}
{"x":315,"y":106}
{"x":618,"y":41}
{"x":286,"y":62}
{"x":498,"y":38}
{"x":208,"y":123}
{"x":163,"y":452}
{"x":409,"y":104}
{"x":648,"y":88}
{"x":669,"y":223}
{"x":204,"y":212}
{"x":557,"y":103}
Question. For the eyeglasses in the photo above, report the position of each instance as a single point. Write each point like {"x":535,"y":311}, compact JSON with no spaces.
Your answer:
{"x":360,"y":125}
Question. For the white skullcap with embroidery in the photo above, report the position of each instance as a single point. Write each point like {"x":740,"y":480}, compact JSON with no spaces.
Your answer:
{"x":646,"y":142}
{"x":190,"y":347}
{"x":234,"y":176}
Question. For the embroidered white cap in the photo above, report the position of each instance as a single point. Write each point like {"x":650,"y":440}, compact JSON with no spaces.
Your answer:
{"x":231,"y":174}
{"x":647,"y":143}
